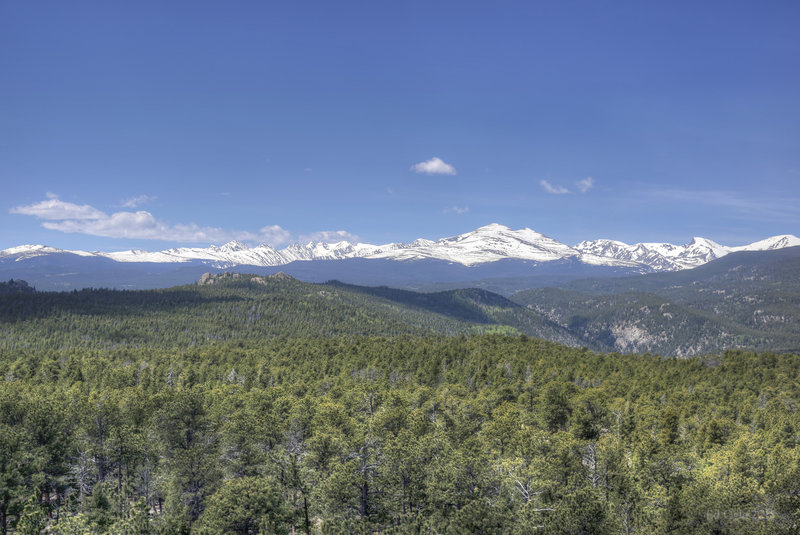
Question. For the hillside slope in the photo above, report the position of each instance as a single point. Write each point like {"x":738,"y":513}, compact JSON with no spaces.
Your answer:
{"x":745,"y":299}
{"x":231,"y":306}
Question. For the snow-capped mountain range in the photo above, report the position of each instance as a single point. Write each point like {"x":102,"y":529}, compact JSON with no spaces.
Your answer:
{"x":484,"y":245}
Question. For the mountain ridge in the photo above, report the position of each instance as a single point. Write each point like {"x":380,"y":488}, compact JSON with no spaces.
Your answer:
{"x":486,"y":244}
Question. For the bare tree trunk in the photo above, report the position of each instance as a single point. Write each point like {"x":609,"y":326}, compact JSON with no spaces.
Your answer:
{"x":305,"y":514}
{"x":364,"y":507}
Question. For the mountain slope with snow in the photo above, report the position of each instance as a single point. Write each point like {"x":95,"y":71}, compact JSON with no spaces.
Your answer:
{"x":23,"y":252}
{"x":775,"y":242}
{"x":487,"y":244}
{"x":669,"y":257}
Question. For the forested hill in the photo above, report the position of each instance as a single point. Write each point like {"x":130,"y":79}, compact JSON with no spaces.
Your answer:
{"x":231,"y":306}
{"x":745,"y":269}
{"x":745,"y":300}
{"x":727,"y":304}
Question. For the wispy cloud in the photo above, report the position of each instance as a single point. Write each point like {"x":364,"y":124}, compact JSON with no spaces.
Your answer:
{"x":556,"y":189}
{"x":144,"y":226}
{"x":329,"y":236}
{"x":135,"y":202}
{"x":456,"y":210}
{"x":434,"y":166}
{"x":84,"y":219}
{"x":55,"y":209}
{"x":764,"y":208}
{"x":551,"y":189}
{"x":585,"y":185}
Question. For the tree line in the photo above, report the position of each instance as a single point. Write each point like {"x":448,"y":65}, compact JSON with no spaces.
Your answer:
{"x":403,"y":434}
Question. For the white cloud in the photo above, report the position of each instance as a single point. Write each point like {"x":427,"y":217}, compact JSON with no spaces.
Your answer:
{"x":554,"y":190}
{"x":585,"y":185}
{"x":55,"y":209}
{"x":85,"y":219}
{"x":329,"y":236}
{"x":274,"y":235}
{"x":434,"y":166}
{"x":457,"y":210}
{"x":143,"y":225}
{"x":134,"y":202}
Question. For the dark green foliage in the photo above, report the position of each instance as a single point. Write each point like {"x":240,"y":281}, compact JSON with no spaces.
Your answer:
{"x":13,"y":286}
{"x":247,"y":307}
{"x":247,"y":505}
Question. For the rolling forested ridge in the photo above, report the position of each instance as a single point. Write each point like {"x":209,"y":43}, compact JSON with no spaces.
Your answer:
{"x":266,"y":405}
{"x":744,"y":300}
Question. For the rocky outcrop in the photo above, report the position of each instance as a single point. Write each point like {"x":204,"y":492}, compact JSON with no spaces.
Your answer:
{"x":217,"y":278}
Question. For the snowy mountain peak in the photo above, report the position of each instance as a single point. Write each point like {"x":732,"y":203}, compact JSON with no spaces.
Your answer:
{"x":488,"y":243}
{"x":705,"y":243}
{"x":773,"y":242}
{"x":658,"y":256}
{"x":31,"y":251}
{"x":26,"y":249}
{"x":669,"y":257}
{"x":498,"y":229}
{"x":492,"y":227}
{"x":233,"y":246}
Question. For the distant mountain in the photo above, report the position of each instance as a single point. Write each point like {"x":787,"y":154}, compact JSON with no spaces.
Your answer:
{"x":494,"y":256}
{"x":658,"y":256}
{"x":668,"y":257}
{"x":490,"y":243}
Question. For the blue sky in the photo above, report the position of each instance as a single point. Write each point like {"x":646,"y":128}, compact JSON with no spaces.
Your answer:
{"x":154,"y":124}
